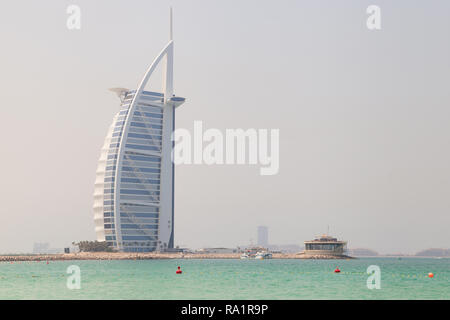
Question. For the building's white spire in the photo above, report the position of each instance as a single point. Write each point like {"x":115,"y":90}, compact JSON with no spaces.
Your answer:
{"x":166,"y":55}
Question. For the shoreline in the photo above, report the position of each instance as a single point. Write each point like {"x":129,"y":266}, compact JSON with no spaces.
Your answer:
{"x":148,"y":256}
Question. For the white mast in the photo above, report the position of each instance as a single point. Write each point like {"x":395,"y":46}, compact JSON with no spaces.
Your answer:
{"x":171,"y":28}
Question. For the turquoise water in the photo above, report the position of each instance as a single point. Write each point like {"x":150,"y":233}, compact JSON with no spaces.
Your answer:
{"x":228,"y":279}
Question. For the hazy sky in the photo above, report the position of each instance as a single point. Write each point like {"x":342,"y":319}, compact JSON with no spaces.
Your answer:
{"x":363,"y":116}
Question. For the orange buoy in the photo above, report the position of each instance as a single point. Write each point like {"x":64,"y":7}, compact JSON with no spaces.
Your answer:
{"x":179,"y":271}
{"x":337,"y":270}
{"x":430,"y":275}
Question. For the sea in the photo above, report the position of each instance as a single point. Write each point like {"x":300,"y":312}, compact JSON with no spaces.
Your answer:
{"x":396,"y":278}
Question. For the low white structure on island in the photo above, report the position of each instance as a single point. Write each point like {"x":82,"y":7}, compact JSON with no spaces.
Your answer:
{"x":324,"y":247}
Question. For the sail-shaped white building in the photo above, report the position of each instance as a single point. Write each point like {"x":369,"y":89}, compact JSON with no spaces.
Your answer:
{"x":134,"y":186}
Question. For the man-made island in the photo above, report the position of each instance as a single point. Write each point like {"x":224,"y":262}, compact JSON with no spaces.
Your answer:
{"x":143,"y":256}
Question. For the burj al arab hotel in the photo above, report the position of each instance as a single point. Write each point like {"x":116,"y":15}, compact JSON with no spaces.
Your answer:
{"x":134,"y":186}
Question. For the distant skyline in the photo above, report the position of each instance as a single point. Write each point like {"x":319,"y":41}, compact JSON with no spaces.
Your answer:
{"x":363,"y":117}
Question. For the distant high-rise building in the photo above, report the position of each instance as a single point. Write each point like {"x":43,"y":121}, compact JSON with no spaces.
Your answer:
{"x":134,"y":187}
{"x":41,"y":247}
{"x":263,"y":236}
{"x":44,"y":248}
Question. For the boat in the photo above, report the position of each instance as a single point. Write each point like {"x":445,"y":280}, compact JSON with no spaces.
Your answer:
{"x":263,"y":255}
{"x":256,"y":253}
{"x":245,"y":256}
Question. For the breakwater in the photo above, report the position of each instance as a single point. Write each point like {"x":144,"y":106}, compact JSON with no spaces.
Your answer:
{"x":146,"y":256}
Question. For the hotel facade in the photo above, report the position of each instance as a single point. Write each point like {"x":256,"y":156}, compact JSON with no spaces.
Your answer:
{"x":134,"y":186}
